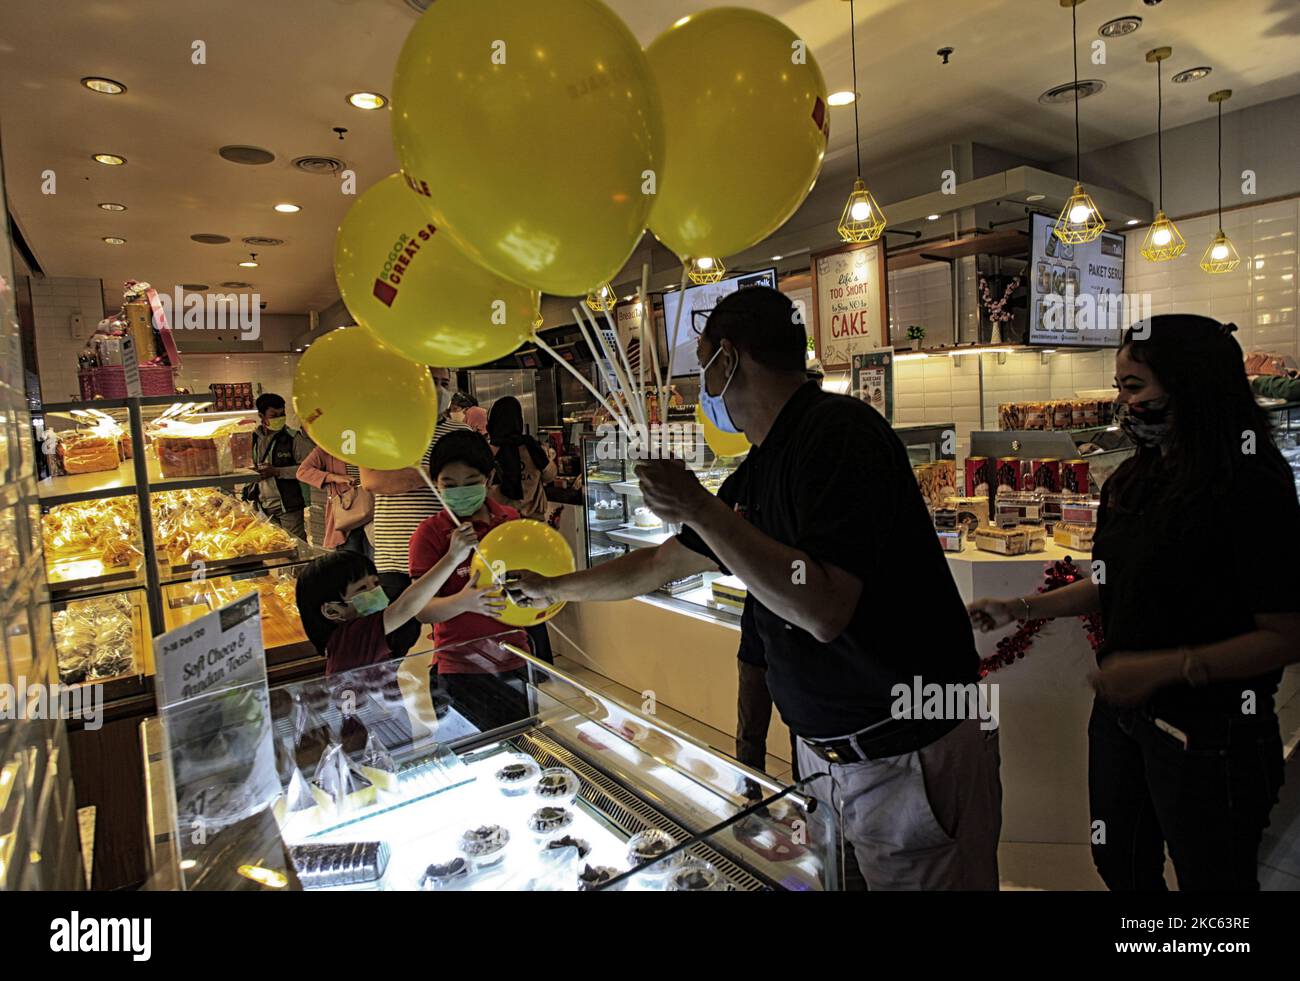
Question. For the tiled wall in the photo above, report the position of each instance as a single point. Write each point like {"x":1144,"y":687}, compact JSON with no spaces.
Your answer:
{"x":267,"y":372}
{"x":1261,"y":297}
{"x":921,"y":295}
{"x":54,"y":302}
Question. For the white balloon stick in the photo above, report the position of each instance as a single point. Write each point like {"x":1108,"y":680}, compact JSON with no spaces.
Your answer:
{"x":598,"y":347}
{"x":604,"y":403}
{"x":608,"y":343}
{"x":672,"y":348}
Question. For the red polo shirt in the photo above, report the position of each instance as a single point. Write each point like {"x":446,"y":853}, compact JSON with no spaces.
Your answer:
{"x":428,"y":546}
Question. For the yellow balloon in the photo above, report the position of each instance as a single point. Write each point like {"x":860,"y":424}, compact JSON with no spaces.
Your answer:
{"x":746,"y":126}
{"x":534,"y":127}
{"x":523,"y":544}
{"x":722,"y":444}
{"x":363,"y":402}
{"x":417,"y":291}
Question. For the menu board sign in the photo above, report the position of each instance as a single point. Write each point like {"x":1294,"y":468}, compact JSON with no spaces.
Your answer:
{"x":873,"y":380}
{"x":851,"y":316}
{"x":1076,"y":292}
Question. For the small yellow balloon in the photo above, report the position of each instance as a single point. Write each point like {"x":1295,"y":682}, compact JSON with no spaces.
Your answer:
{"x":523,"y":544}
{"x":722,"y":444}
{"x":363,"y":402}
{"x":537,"y":131}
{"x":417,"y":291}
{"x":746,"y":123}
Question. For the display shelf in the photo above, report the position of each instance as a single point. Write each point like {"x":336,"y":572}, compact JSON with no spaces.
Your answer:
{"x":639,"y":537}
{"x":70,"y":488}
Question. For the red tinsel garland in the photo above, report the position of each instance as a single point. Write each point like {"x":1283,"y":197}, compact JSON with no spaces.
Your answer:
{"x":1014,"y":646}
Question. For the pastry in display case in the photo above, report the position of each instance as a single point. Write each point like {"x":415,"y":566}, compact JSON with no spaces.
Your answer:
{"x":618,"y":520}
{"x":560,"y":798}
{"x":97,"y":639}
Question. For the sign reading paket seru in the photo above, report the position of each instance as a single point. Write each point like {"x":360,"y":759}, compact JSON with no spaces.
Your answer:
{"x":851,"y":317}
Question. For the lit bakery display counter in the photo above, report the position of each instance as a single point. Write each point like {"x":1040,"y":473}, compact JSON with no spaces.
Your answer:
{"x":618,"y":521}
{"x":115,"y":581}
{"x":380,"y":783}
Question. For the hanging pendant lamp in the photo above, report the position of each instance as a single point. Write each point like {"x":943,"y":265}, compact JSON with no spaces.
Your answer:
{"x":1164,"y":241}
{"x":705,"y":270}
{"x":602,"y":299}
{"x":1220,"y":255}
{"x":862,"y":220}
{"x":1080,"y":221}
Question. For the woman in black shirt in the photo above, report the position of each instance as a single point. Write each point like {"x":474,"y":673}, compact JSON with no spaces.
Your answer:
{"x":1200,"y":613}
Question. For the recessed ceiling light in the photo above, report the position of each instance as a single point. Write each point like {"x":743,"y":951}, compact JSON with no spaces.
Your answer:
{"x":206,"y":238}
{"x":110,"y":159}
{"x":194,"y":287}
{"x":235,"y":284}
{"x":112,"y":240}
{"x":842,"y":98}
{"x":287,"y":209}
{"x":1035,"y":197}
{"x":1193,"y":74}
{"x":104,"y":86}
{"x":112,"y":206}
{"x":931,"y":217}
{"x":1120,"y":26}
{"x":1060,"y":94}
{"x":1132,"y":221}
{"x":249,"y":264}
{"x":367,"y":100}
{"x":777,"y":258}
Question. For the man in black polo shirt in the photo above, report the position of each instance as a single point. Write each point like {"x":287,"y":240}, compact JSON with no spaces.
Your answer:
{"x":849,"y":596}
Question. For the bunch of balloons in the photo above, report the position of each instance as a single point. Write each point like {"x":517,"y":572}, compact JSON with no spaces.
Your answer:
{"x":537,"y":143}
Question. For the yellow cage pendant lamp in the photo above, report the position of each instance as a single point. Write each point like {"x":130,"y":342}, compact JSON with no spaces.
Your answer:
{"x":1164,"y":241}
{"x":862,"y":220}
{"x":602,"y":300}
{"x":1220,"y":255}
{"x":1080,"y":220}
{"x":705,"y":270}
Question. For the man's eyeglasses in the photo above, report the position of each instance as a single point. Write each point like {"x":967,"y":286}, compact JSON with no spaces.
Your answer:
{"x":700,"y":320}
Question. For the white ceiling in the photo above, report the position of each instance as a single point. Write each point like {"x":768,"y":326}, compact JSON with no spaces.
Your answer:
{"x":277,"y":73}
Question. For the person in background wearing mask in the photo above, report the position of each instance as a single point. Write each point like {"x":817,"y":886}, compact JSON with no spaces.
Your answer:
{"x":1199,"y":611}
{"x":346,"y":613}
{"x":825,"y":524}
{"x":461,"y":402}
{"x":403,"y":500}
{"x":277,"y":452}
{"x":465,"y":632}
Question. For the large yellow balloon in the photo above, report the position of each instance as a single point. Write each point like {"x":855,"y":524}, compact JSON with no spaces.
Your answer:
{"x":417,"y":291}
{"x":746,"y":120}
{"x":523,"y":544}
{"x":363,"y":402}
{"x":722,"y":444}
{"x":535,"y":128}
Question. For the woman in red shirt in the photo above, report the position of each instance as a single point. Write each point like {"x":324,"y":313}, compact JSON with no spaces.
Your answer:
{"x":486,"y":683}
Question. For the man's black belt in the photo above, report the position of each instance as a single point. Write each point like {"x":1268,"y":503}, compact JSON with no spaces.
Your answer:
{"x":893,"y":737}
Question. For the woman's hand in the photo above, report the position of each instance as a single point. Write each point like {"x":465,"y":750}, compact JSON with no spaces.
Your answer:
{"x":990,"y":614}
{"x":487,"y":600}
{"x":462,"y":542}
{"x":1126,"y":678}
{"x":338,"y":480}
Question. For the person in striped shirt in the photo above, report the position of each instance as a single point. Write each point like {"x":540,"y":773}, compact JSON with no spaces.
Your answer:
{"x":403,"y":500}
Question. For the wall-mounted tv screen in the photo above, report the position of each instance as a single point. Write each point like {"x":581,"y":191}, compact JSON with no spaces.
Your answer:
{"x":701,"y":298}
{"x":1076,"y":292}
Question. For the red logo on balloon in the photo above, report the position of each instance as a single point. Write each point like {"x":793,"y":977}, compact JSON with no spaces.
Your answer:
{"x":385,"y":293}
{"x":819,"y":117}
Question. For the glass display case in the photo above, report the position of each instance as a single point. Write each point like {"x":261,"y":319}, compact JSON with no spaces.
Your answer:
{"x":1285,"y":417}
{"x":389,"y":781}
{"x":617,"y":521}
{"x":116,"y":581}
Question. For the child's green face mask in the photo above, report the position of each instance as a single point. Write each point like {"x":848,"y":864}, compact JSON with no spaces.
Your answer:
{"x":464,"y":501}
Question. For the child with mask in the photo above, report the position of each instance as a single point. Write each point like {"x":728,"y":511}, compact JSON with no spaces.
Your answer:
{"x":464,"y":616}
{"x":346,"y":612}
